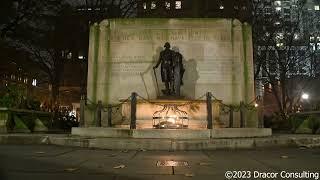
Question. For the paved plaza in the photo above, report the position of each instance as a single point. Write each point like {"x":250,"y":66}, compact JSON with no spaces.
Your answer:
{"x":48,"y":162}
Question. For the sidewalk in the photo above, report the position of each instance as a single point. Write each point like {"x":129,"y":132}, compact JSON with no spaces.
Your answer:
{"x":277,"y":140}
{"x":47,"y":162}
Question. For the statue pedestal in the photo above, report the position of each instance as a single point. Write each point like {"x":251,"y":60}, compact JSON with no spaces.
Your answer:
{"x":196,"y":110}
{"x":164,"y":97}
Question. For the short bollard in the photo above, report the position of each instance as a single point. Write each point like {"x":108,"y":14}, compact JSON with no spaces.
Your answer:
{"x":133,"y":110}
{"x":242,"y":123}
{"x":231,"y":117}
{"x":82,"y":106}
{"x":209,"y":111}
{"x":109,"y":124}
{"x":98,"y":114}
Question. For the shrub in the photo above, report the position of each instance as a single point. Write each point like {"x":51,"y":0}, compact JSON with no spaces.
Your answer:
{"x":278,"y":122}
{"x":6,"y":101}
{"x":295,"y":121}
{"x":65,"y":121}
{"x":313,"y":123}
{"x":28,"y":120}
{"x":12,"y":96}
{"x":34,"y":105}
{"x":267,"y":120}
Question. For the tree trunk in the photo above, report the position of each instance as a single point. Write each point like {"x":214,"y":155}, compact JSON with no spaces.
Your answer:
{"x":283,"y":87}
{"x":55,"y":102}
{"x":55,"y":94}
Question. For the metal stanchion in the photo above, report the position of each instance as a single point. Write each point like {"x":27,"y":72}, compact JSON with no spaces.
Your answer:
{"x":133,"y":110}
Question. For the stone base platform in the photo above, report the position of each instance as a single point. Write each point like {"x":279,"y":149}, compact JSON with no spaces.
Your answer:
{"x":192,"y":124}
{"x":172,"y":133}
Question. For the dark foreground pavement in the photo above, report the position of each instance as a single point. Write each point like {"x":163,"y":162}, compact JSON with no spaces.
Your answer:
{"x":46,"y":162}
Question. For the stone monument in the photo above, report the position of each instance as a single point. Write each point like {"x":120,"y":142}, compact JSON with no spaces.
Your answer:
{"x":217,"y":58}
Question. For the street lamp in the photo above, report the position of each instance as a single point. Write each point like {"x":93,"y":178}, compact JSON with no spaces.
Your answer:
{"x":305,"y":96}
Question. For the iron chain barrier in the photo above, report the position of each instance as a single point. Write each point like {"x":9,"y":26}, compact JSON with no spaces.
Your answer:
{"x":113,"y":110}
{"x":231,"y":108}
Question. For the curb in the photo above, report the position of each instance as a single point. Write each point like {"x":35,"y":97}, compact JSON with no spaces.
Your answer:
{"x":162,"y":144}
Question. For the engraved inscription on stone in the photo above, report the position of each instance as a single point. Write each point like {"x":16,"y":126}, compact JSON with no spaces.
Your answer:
{"x":195,"y":34}
{"x":129,"y":68}
{"x":119,"y":58}
{"x":215,"y":71}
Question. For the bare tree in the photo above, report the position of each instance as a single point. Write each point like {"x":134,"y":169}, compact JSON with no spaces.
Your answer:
{"x":282,"y":53}
{"x":50,"y":30}
{"x":14,"y":13}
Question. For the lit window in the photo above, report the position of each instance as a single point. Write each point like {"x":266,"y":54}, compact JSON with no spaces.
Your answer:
{"x":317,"y":7}
{"x":278,"y":8}
{"x":277,"y":3}
{"x":313,"y":46}
{"x":167,"y":4}
{"x":144,"y":5}
{"x":267,"y":10}
{"x":279,"y":44}
{"x":279,"y":36}
{"x":69,"y":55}
{"x":34,"y":82}
{"x":221,"y":7}
{"x":153,"y":5}
{"x":178,"y":5}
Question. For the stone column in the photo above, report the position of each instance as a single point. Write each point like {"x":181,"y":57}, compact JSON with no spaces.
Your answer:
{"x":251,"y":117}
{"x":93,"y":63}
{"x":92,"y":75}
{"x":103,"y":68}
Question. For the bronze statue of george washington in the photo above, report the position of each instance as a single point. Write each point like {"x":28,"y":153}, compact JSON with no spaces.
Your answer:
{"x":171,"y":70}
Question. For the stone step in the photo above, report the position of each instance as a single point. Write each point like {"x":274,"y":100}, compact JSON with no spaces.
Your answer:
{"x":172,"y":133}
{"x":286,"y":140}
